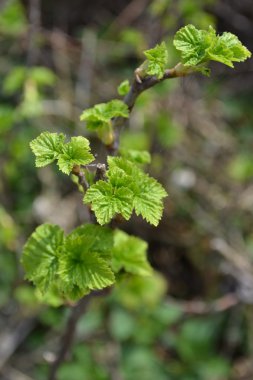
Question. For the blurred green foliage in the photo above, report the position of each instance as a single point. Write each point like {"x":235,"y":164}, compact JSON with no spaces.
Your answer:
{"x":135,"y":333}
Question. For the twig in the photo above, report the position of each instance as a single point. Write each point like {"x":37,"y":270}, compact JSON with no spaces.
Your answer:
{"x":67,"y":339}
{"x":199,"y":307}
{"x":136,"y":89}
{"x":130,"y":13}
{"x":34,"y":20}
{"x":12,"y":337}
{"x":81,"y":177}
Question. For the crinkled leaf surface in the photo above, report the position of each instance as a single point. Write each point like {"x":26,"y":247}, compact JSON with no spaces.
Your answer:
{"x":76,"y":152}
{"x":127,"y":187}
{"x":148,"y":193}
{"x":101,"y":114}
{"x":157,"y":59}
{"x":107,"y":201}
{"x":81,"y":266}
{"x":199,"y":46}
{"x":102,"y":238}
{"x":148,"y":197}
{"x":41,"y":255}
{"x":47,"y":147}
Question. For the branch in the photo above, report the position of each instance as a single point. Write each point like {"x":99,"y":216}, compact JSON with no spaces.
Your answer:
{"x":199,"y":307}
{"x":81,"y":177}
{"x":138,"y":86}
{"x":68,"y":337}
{"x":34,"y":27}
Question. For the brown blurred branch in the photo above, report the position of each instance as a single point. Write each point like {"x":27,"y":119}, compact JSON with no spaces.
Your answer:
{"x":200,"y":307}
{"x":33,"y":32}
{"x":68,"y":337}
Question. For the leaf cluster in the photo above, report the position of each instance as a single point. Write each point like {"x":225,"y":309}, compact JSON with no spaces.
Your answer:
{"x":157,"y":59}
{"x":101,"y":114}
{"x":198,"y":47}
{"x":82,"y":261}
{"x":126,"y":189}
{"x":48,"y":147}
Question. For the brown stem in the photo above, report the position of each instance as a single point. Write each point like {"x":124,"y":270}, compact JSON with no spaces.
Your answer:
{"x":81,"y":177}
{"x":199,"y":307}
{"x":138,"y":86}
{"x":68,"y":337}
{"x":34,"y":27}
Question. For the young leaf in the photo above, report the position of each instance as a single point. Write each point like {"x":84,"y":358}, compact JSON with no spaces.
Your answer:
{"x":148,"y":197}
{"x":41,"y":254}
{"x":147,"y":192}
{"x":228,"y":49}
{"x":101,"y":114}
{"x":108,"y":200}
{"x":136,"y":156}
{"x":157,"y":59}
{"x":192,"y":43}
{"x":124,"y":87}
{"x":47,"y":147}
{"x":130,"y":253}
{"x":200,"y":46}
{"x":76,"y":152}
{"x":102,"y":242}
{"x":82,"y":267}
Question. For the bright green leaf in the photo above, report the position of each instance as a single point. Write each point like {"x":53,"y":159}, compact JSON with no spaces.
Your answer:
{"x":148,"y":197}
{"x":101,"y":114}
{"x":157,"y":59}
{"x":102,"y":238}
{"x":137,"y":156}
{"x":124,"y":87}
{"x":130,"y":253}
{"x":76,"y":152}
{"x":199,"y":46}
{"x":107,"y":201}
{"x":41,"y":254}
{"x":47,"y":147}
{"x":147,"y":192}
{"x":81,"y":267}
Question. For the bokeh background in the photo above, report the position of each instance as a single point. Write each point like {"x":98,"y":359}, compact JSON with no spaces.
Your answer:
{"x":193,"y":320}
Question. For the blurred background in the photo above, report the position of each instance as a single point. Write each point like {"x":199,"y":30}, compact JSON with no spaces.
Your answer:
{"x":193,"y":320}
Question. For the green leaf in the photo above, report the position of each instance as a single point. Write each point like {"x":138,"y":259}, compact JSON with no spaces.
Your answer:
{"x":137,"y":156}
{"x":76,"y":152}
{"x":228,"y":49}
{"x":108,"y":200}
{"x":147,"y":192}
{"x":157,"y":59}
{"x":14,"y":80}
{"x":101,"y":114}
{"x":200,"y":46}
{"x":124,"y":87}
{"x":47,"y":147}
{"x":148,"y":197}
{"x":125,"y":166}
{"x":193,"y":43}
{"x":82,"y":267}
{"x":127,"y":187}
{"x":13,"y":20}
{"x":130,"y":253}
{"x":102,"y":238}
{"x":42,"y":76}
{"x":41,"y":254}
